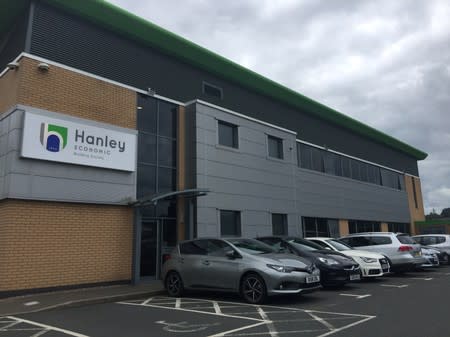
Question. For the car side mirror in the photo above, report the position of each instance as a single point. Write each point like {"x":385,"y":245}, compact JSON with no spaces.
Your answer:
{"x":233,"y":255}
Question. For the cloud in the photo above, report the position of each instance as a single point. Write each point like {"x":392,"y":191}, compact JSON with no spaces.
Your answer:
{"x":385,"y":63}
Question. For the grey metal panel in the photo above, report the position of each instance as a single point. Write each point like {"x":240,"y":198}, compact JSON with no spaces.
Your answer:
{"x":44,"y":180}
{"x":341,"y":198}
{"x":69,"y":40}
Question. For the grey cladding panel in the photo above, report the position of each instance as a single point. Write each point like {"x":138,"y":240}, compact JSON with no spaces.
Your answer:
{"x":68,"y":40}
{"x":341,"y":198}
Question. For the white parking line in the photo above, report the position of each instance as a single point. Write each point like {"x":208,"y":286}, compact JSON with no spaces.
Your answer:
{"x":320,"y":320}
{"x":221,"y":334}
{"x":217,"y":308}
{"x":147,"y":301}
{"x":269,"y":323}
{"x":45,"y":326}
{"x":422,"y":278}
{"x":357,"y":296}
{"x":41,"y":333}
{"x":178,"y":303}
{"x":394,"y":286}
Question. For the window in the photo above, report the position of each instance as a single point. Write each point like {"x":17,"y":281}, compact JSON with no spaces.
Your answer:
{"x":279,"y":224}
{"x":212,"y":90}
{"x":359,"y":226}
{"x":399,"y":227}
{"x":218,"y":248}
{"x":197,"y":247}
{"x":320,"y":227}
{"x":230,"y":223}
{"x":405,"y":239}
{"x":329,"y":163}
{"x":228,"y":134}
{"x":317,"y":160}
{"x":346,"y":167}
{"x":354,"y":164}
{"x":275,"y":147}
{"x":304,"y":156}
{"x":380,"y":240}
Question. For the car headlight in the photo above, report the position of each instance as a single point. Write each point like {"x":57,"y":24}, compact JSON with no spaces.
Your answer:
{"x":328,"y":261}
{"x":368,"y":259}
{"x":281,"y":269}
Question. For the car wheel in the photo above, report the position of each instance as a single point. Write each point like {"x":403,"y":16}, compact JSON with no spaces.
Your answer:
{"x":174,"y":284}
{"x":446,"y":259}
{"x":253,"y":289}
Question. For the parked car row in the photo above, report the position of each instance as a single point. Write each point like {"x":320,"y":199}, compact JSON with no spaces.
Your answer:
{"x":270,"y":265}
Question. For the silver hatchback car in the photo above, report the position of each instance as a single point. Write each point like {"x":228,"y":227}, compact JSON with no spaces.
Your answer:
{"x":246,"y":266}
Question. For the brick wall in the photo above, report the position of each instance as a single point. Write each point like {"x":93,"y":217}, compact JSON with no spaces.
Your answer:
{"x":64,"y":91}
{"x":416,"y":213}
{"x":50,"y":244}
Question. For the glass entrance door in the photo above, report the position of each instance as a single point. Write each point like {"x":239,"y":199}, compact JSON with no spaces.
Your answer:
{"x":149,"y":248}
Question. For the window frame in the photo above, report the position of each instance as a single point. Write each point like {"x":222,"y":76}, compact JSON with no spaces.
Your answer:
{"x":280,"y":147}
{"x":238,"y":225}
{"x":208,"y":84}
{"x":284,"y":224}
{"x":235,"y":134}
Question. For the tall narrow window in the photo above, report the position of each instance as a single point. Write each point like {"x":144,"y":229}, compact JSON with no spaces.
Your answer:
{"x":275,"y":147}
{"x":279,"y":224}
{"x":228,"y":134}
{"x":414,"y":192}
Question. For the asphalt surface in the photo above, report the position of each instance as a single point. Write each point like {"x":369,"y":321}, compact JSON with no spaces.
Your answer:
{"x":414,"y":304}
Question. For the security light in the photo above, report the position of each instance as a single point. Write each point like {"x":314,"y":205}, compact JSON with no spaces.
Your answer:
{"x":13,"y":65}
{"x":43,"y":66}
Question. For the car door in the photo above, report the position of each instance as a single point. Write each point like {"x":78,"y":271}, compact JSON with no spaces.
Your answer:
{"x":191,"y":262}
{"x":223,"y":272}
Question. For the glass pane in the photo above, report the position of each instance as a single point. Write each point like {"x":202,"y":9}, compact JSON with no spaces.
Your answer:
{"x":147,"y":148}
{"x":352,"y":227}
{"x":279,"y":224}
{"x":355,"y":169}
{"x":401,"y":182}
{"x":146,"y":180}
{"x":309,"y":225}
{"x":275,"y":147}
{"x":346,"y":167}
{"x":317,"y":160}
{"x":167,"y":152}
{"x":374,"y":174}
{"x":167,"y":119}
{"x":169,"y":229}
{"x":166,"y":180}
{"x":364,"y":171}
{"x":305,"y":156}
{"x":333,"y":228}
{"x":322,"y":227}
{"x":230,"y":223}
{"x":228,"y":134}
{"x":389,"y":178}
{"x":329,"y":162}
{"x":146,"y":117}
{"x":338,"y":165}
{"x":166,"y":208}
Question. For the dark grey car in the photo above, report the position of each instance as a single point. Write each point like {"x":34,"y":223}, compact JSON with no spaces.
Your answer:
{"x":245,"y":266}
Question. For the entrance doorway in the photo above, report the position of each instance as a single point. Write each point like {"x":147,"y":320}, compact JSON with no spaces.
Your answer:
{"x":149,"y":248}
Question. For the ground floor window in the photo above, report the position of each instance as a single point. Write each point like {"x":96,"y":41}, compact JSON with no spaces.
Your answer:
{"x":230,"y":223}
{"x":360,"y":226}
{"x":279,"y":224}
{"x":398,"y":227}
{"x":313,"y":227}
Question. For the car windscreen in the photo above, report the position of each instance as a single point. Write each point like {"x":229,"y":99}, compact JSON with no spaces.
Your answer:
{"x":339,"y":245}
{"x":304,"y":245}
{"x":406,"y":239}
{"x":250,"y":246}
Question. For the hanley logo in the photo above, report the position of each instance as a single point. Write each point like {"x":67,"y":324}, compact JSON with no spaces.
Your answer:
{"x":53,"y":137}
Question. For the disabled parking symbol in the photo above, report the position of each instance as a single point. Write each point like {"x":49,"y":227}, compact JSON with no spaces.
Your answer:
{"x":185,"y":326}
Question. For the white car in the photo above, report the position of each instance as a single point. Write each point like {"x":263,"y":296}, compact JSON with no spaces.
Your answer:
{"x":372,"y":264}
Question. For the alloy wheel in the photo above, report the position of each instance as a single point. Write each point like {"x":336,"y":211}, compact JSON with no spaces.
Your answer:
{"x":174,"y":284}
{"x":253,"y":289}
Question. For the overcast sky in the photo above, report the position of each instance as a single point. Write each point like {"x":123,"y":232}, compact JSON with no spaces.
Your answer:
{"x":385,"y":63}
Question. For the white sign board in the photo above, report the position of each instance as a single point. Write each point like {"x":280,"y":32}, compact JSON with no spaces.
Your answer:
{"x":65,"y":141}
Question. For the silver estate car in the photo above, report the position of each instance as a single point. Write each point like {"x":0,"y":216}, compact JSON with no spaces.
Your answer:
{"x":439,"y":241}
{"x":400,"y":249}
{"x":246,"y":266}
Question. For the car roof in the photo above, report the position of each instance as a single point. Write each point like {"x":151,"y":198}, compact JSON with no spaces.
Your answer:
{"x":320,"y":238}
{"x":430,"y":235}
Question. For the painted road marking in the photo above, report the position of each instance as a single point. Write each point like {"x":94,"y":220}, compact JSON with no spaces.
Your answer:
{"x":31,"y":303}
{"x":185,"y":327}
{"x":422,"y":278}
{"x":321,"y":323}
{"x":395,"y":286}
{"x":357,"y":296}
{"x":45,"y":327}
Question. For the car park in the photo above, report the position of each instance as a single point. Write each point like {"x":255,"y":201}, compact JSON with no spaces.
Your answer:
{"x":438,"y":241}
{"x":247,"y":266}
{"x":402,"y":252}
{"x":371,"y":264}
{"x":336,"y":269}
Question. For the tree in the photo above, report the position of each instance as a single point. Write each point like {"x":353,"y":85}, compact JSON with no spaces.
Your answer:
{"x":445,"y":212}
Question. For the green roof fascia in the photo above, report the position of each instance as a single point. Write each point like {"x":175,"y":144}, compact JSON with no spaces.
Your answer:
{"x":433,"y":222}
{"x":138,"y":29}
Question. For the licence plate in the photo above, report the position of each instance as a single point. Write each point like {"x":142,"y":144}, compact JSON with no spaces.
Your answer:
{"x":355,"y":277}
{"x":312,"y":279}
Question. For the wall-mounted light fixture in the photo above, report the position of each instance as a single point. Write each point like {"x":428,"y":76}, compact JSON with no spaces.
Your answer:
{"x":13,"y":65}
{"x":151,"y":91}
{"x":43,"y":66}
